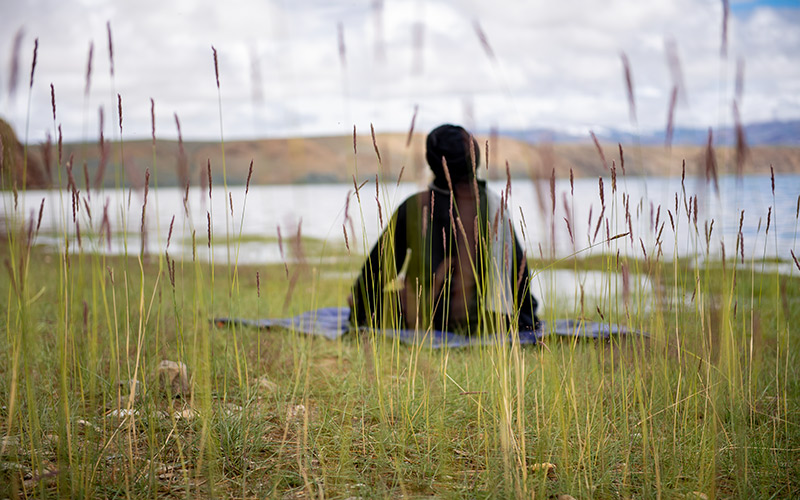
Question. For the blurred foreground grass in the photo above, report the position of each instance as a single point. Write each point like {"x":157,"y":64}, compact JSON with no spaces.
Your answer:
{"x":708,"y":404}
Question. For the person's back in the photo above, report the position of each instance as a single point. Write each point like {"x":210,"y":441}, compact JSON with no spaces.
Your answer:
{"x":449,"y":259}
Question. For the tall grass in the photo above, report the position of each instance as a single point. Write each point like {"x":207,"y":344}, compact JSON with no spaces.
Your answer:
{"x":704,"y":404}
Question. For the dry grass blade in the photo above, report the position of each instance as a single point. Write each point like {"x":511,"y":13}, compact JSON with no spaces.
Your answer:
{"x":674,"y":63}
{"x":626,"y":67}
{"x":110,"y":48}
{"x":411,"y":128}
{"x":484,"y":40}
{"x":739,"y":88}
{"x":742,"y":150}
{"x":375,"y":144}
{"x":280,"y":248}
{"x":153,"y":120}
{"x":183,"y":163}
{"x":418,"y":43}
{"x":673,"y":100}
{"x":104,"y":152}
{"x":599,"y":149}
{"x":711,"y":161}
{"x":726,"y":9}
{"x":378,"y":200}
{"x":208,"y":218}
{"x":342,"y":48}
{"x":89,"y":70}
{"x":47,"y":157}
{"x":13,"y":73}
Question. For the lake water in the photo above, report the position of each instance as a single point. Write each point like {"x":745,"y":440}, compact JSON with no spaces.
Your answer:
{"x":319,"y":212}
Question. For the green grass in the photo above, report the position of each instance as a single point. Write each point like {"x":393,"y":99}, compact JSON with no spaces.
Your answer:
{"x":708,"y":403}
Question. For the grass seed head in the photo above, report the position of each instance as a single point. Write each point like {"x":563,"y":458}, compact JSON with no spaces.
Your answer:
{"x":375,"y":144}
{"x":88,"y":86}
{"x":484,"y":40}
{"x":53,"y":100}
{"x":216,"y":65}
{"x":171,"y":226}
{"x":119,"y":109}
{"x":41,"y":212}
{"x":110,"y":49}
{"x":33,"y":64}
{"x":769,"y":217}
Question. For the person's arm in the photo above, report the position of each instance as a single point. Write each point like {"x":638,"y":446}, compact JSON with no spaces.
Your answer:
{"x":366,"y":298}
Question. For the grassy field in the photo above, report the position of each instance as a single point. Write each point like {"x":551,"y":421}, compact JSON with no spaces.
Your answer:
{"x":707,"y":406}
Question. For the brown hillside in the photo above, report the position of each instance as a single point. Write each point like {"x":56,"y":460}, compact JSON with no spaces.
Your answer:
{"x":332,"y":159}
{"x":15,"y":170}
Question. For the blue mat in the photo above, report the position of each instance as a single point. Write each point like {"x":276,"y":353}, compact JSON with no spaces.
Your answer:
{"x":332,"y":323}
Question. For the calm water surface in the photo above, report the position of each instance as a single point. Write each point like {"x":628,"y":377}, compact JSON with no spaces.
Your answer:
{"x":319,"y":211}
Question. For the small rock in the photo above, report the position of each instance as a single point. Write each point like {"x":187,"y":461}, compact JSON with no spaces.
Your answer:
{"x":564,"y":496}
{"x":266,"y":385}
{"x":231,"y":409}
{"x":123,"y":413}
{"x":9,"y":444}
{"x":548,"y":468}
{"x":187,"y":414}
{"x":697,"y":495}
{"x":16,"y":467}
{"x":174,"y":377}
{"x":295,"y":412}
{"x":85,"y":424}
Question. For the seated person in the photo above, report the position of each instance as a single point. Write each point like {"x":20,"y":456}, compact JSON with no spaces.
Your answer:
{"x":449,"y":258}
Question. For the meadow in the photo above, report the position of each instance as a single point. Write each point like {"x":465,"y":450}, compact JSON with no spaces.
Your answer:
{"x":706,"y":404}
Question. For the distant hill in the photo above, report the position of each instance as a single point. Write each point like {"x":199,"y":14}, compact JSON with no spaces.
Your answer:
{"x":332,"y":159}
{"x":773,"y":133}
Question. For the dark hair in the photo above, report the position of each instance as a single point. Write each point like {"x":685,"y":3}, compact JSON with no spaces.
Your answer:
{"x":458,"y":148}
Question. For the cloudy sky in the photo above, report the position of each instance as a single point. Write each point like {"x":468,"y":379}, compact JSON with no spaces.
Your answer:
{"x":310,"y":67}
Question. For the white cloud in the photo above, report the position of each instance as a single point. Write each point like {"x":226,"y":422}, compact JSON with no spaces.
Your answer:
{"x":557,"y":64}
